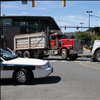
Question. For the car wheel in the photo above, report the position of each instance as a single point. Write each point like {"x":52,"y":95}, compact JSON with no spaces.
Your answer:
{"x":26,"y":54}
{"x":22,"y":76}
{"x":64,"y":53}
{"x":97,"y":56}
{"x":19,"y":53}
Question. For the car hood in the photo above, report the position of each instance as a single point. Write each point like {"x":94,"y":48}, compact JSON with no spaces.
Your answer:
{"x":26,"y":61}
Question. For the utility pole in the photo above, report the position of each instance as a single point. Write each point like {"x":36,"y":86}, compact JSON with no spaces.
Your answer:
{"x":89,"y":23}
{"x":81,"y":26}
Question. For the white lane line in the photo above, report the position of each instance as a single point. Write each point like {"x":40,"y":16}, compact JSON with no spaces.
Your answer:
{"x":56,"y":61}
{"x":67,"y":61}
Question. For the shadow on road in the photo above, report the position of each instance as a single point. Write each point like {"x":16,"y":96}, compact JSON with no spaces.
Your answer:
{"x":47,"y":80}
{"x":80,"y":58}
{"x":85,"y":56}
{"x":60,"y":59}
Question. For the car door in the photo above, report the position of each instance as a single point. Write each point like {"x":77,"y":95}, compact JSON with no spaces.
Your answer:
{"x":2,"y":71}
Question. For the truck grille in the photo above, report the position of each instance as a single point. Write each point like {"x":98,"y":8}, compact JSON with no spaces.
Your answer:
{"x":77,"y":44}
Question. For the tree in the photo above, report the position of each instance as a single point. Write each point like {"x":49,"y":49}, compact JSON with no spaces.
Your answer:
{"x":84,"y":37}
{"x":72,"y":36}
{"x":95,"y":37}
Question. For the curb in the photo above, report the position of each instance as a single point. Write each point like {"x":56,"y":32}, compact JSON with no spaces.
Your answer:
{"x":86,"y":49}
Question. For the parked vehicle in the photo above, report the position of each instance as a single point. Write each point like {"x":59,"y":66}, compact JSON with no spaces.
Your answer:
{"x":22,"y":69}
{"x":43,"y":44}
{"x":96,"y":51}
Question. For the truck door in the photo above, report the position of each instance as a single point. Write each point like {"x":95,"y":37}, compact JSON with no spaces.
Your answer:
{"x":53,"y":41}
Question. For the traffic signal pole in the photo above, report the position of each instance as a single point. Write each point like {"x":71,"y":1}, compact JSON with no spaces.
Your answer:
{"x":73,"y":27}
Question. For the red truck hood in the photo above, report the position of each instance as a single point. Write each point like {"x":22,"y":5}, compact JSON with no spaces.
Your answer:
{"x":67,"y":41}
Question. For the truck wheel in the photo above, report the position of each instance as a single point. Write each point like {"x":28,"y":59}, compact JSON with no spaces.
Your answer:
{"x":64,"y":53}
{"x":26,"y":54}
{"x":22,"y":76}
{"x":38,"y":54}
{"x":73,"y":57}
{"x":19,"y":53}
{"x":97,"y":56}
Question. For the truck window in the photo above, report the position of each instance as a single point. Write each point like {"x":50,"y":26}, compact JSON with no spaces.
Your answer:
{"x":53,"y":37}
{"x":62,"y":37}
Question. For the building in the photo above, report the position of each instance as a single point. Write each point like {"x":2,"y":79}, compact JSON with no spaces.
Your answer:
{"x":14,"y":25}
{"x":69,"y":34}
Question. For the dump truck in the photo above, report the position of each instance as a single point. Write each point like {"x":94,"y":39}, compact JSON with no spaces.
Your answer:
{"x":43,"y":44}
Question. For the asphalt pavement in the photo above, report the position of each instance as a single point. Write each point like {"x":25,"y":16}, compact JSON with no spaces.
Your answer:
{"x":70,"y":80}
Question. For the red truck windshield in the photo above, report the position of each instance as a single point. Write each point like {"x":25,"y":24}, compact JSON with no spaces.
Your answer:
{"x":62,"y":37}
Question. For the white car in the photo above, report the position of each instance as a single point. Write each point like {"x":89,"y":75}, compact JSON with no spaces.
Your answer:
{"x":23,"y":69}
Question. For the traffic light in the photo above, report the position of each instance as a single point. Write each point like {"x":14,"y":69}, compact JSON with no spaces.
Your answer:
{"x":77,"y":27}
{"x":32,"y":3}
{"x":24,"y":1}
{"x":65,"y":27}
{"x":64,"y":3}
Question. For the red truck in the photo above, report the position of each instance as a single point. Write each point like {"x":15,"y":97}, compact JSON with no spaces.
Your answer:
{"x":43,"y":44}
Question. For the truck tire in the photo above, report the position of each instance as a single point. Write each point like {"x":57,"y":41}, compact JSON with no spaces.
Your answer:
{"x":73,"y":57}
{"x":97,"y":55}
{"x":38,"y":54}
{"x":64,"y":53}
{"x":26,"y":54}
{"x":22,"y":76}
{"x":19,"y":53}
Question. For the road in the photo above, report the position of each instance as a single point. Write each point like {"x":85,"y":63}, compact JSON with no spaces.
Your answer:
{"x":76,"y":80}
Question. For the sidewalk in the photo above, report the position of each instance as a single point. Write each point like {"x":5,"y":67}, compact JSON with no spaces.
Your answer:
{"x":86,"y":49}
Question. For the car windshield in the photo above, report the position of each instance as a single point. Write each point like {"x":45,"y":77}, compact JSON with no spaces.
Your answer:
{"x":62,"y":37}
{"x":6,"y":55}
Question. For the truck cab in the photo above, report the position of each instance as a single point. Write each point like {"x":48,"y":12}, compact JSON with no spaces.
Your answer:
{"x":66,"y":47}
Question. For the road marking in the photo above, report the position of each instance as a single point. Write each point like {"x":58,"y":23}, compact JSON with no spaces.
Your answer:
{"x":89,"y":66}
{"x":83,"y":61}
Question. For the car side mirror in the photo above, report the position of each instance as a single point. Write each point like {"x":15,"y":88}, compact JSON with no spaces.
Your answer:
{"x":16,"y":55}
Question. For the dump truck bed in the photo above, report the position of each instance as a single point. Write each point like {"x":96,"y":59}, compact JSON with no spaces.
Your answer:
{"x":30,"y":41}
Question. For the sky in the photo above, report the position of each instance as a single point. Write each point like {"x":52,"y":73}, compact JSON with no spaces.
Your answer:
{"x":73,"y":14}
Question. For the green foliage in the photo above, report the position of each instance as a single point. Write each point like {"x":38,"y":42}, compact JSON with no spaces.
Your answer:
{"x":94,"y":37}
{"x":72,"y":36}
{"x":83,"y":36}
{"x":90,"y":29}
